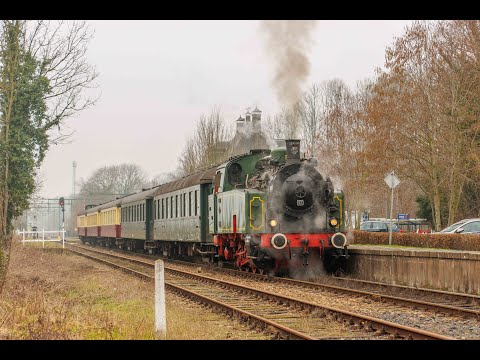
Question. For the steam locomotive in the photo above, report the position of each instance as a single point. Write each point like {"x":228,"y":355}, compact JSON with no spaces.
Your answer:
{"x":264,"y":211}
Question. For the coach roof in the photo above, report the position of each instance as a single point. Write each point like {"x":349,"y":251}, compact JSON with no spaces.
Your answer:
{"x":201,"y":177}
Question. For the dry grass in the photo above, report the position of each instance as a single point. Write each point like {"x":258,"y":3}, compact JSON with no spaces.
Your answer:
{"x":50,"y":294}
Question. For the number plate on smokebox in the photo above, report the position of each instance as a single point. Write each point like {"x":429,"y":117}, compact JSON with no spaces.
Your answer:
{"x":300,"y":203}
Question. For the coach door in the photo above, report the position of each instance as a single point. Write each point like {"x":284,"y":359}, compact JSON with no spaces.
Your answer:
{"x":149,"y":219}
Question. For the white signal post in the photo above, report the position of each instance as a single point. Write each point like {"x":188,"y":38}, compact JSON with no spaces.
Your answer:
{"x":392,"y":181}
{"x":160,"y":311}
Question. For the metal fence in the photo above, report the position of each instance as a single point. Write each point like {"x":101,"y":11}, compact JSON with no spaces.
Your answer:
{"x":43,"y":236}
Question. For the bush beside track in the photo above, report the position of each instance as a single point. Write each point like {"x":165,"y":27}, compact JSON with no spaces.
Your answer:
{"x":467,"y":242}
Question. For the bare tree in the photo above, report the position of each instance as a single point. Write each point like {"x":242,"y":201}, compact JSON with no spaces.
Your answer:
{"x":112,"y":181}
{"x":209,"y":144}
{"x":167,"y":177}
{"x":61,"y":48}
{"x":311,"y":118}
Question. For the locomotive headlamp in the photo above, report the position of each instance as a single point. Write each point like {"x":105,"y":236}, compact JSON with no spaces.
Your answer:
{"x":279,"y":241}
{"x":333,"y":222}
{"x":339,"y":240}
{"x":273,"y":222}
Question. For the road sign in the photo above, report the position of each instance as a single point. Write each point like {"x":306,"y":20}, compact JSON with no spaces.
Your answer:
{"x":392,"y":180}
{"x":403,"y":216}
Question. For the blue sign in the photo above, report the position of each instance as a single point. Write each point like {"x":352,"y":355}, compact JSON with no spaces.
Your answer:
{"x":403,"y":216}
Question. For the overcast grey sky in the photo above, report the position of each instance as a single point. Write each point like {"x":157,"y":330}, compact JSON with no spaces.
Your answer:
{"x":157,"y":77}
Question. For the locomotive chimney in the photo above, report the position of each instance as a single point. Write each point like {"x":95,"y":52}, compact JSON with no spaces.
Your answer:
{"x":293,"y":151}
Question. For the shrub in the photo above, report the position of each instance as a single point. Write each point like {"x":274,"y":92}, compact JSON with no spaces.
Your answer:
{"x":469,"y":242}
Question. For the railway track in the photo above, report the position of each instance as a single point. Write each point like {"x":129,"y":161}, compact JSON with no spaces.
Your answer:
{"x":285,"y":316}
{"x":448,"y":303}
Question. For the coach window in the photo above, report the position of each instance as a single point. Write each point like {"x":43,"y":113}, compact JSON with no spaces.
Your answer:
{"x":184,"y":207}
{"x":166,"y":208}
{"x":171,"y":207}
{"x":154,"y":209}
{"x":183,"y":204}
{"x":180,"y":207}
{"x":196,"y":202}
{"x":217,"y":182}
{"x":189,"y":203}
{"x":176,"y":206}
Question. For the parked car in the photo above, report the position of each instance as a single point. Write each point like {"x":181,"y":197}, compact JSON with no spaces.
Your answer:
{"x":378,"y":226}
{"x":465,"y":226}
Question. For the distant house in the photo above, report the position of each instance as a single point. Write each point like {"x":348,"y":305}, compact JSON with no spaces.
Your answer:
{"x":248,"y":134}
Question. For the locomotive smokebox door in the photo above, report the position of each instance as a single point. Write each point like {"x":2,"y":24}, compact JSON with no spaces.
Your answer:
{"x":293,"y":151}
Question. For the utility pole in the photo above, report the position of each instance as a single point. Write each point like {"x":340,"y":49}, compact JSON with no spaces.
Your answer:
{"x":72,"y":223}
{"x":61,"y":202}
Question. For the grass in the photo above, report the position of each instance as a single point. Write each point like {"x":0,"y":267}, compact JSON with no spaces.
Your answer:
{"x":52,"y":294}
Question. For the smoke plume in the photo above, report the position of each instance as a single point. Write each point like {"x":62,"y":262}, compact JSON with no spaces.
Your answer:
{"x":287,"y":44}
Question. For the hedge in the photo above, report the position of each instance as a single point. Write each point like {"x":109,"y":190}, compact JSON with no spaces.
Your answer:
{"x":469,"y":242}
